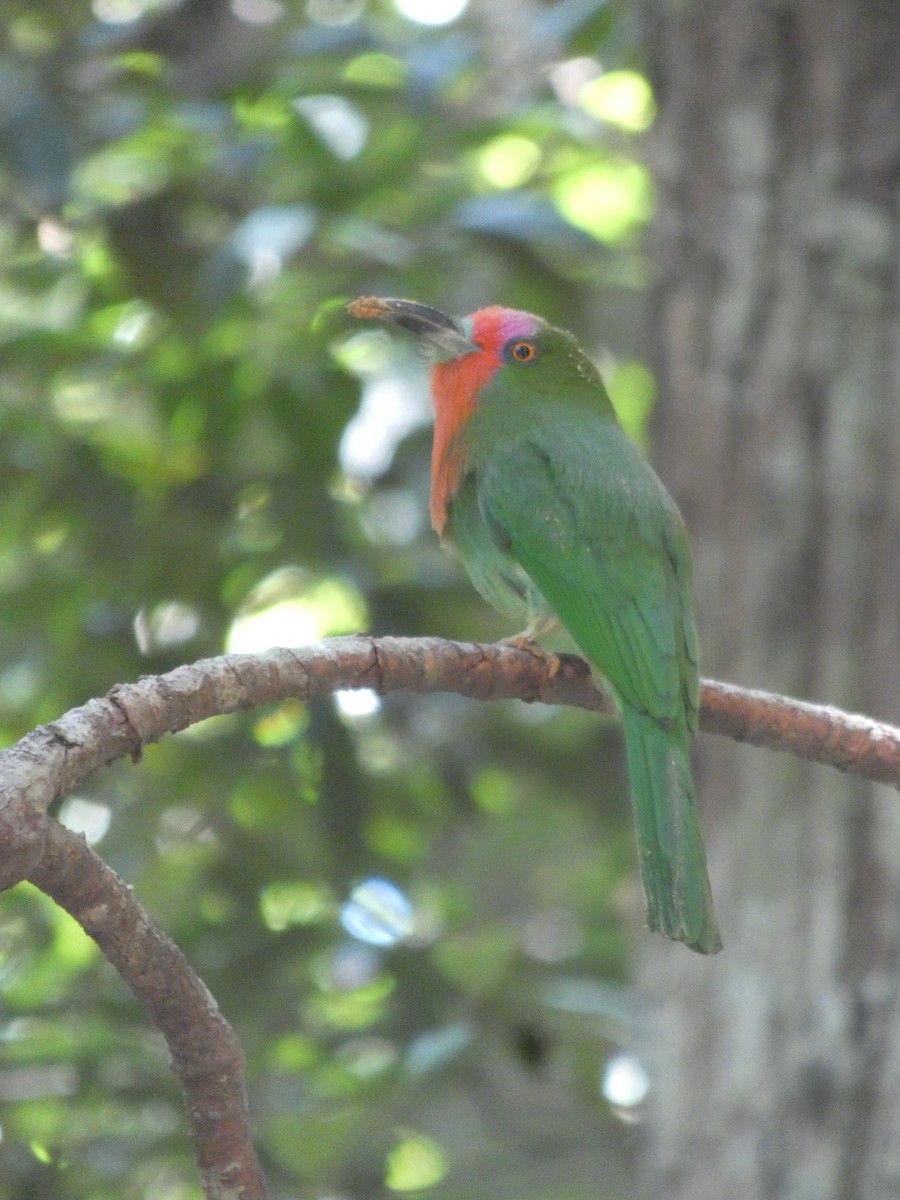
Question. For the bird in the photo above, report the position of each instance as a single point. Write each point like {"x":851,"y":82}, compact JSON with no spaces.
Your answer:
{"x":557,"y":516}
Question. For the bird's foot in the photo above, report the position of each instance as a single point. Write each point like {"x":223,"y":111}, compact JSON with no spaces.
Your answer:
{"x":527,"y":639}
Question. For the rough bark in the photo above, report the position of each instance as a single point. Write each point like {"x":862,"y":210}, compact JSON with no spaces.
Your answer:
{"x":52,"y":760}
{"x":776,"y":311}
{"x":206,"y":1055}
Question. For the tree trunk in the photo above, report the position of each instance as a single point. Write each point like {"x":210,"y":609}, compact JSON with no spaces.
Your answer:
{"x":776,"y":1065}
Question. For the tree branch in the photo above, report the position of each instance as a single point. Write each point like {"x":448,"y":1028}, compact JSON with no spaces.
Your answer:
{"x":53,"y":759}
{"x":206,"y":1055}
{"x":817,"y":732}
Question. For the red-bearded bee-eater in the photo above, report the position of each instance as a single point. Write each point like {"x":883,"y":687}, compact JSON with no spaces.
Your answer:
{"x":555,"y":513}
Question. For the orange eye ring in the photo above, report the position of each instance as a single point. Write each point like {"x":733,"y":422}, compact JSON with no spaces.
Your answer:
{"x":523,"y":352}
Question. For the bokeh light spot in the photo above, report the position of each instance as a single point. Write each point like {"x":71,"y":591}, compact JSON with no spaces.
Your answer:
{"x":357,"y":702}
{"x":509,"y":161}
{"x":622,"y":98}
{"x":608,"y":200}
{"x":337,"y":123}
{"x":87,"y":817}
{"x":378,"y":912}
{"x":285,"y":903}
{"x":291,"y":607}
{"x":431,"y":12}
{"x":625,"y":1083}
{"x":415,"y":1163}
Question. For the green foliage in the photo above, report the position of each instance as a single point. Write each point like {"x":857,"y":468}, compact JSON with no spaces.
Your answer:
{"x":186,"y":200}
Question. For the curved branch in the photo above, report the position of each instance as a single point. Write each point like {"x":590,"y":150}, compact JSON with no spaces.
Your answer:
{"x":206,"y":1055}
{"x":53,"y":759}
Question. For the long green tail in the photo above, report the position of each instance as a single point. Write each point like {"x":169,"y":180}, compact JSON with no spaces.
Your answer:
{"x":670,"y":845}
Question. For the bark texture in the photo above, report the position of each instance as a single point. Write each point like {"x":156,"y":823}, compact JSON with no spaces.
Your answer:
{"x":206,"y":1055}
{"x":777,"y":330}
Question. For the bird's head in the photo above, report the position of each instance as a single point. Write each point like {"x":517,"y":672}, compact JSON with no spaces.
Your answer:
{"x":496,"y":335}
{"x":466,"y":354}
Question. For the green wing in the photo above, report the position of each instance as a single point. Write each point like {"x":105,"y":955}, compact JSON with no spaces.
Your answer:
{"x":597,"y":533}
{"x":601,"y":540}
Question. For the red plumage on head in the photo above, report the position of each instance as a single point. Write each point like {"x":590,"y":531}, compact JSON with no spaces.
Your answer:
{"x":455,"y":386}
{"x":493,"y":327}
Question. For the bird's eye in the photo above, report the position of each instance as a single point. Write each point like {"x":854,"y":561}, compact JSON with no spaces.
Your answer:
{"x":523,"y":352}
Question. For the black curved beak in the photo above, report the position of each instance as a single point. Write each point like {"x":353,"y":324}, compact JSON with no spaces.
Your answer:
{"x":439,"y":332}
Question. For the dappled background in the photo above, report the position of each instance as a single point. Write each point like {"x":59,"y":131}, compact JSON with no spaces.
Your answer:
{"x":418,"y":912}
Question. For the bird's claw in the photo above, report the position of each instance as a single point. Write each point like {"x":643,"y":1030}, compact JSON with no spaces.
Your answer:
{"x":524,"y":641}
{"x":527,"y":639}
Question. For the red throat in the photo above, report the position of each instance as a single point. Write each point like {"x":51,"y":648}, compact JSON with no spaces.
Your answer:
{"x":455,"y":387}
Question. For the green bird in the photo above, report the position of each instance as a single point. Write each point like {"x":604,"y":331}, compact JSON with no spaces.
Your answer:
{"x":554,"y":512}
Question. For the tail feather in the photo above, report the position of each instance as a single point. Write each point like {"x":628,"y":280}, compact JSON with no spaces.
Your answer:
{"x":670,"y":845}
